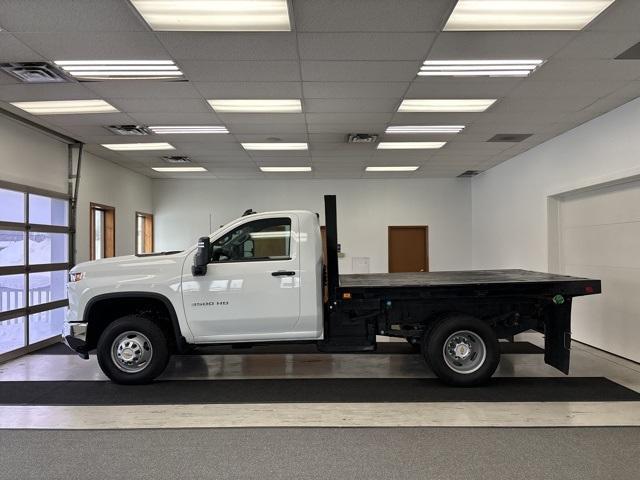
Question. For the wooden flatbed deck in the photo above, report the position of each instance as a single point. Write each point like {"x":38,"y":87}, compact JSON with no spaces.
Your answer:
{"x":451,"y":278}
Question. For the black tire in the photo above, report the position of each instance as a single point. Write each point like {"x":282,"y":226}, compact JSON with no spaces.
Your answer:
{"x":480,"y":367}
{"x":158,"y":347}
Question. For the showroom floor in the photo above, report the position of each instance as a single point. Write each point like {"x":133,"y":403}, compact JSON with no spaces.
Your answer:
{"x":61,"y":406}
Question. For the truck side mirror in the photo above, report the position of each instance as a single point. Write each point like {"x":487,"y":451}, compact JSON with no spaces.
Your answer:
{"x":201,"y":258}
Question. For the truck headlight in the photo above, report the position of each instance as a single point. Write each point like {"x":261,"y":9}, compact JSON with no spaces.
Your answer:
{"x":75,"y":276}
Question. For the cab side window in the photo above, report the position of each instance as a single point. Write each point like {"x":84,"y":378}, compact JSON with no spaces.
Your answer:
{"x":265,"y":239}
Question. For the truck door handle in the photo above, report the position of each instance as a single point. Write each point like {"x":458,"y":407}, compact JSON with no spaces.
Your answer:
{"x":283,"y":273}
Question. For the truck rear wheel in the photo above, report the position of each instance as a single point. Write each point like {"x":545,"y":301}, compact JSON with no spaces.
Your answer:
{"x":132,"y":350}
{"x":462,"y":350}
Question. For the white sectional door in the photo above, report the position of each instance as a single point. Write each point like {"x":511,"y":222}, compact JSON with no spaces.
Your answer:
{"x":600,"y":238}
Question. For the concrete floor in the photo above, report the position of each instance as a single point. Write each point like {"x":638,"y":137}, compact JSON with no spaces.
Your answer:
{"x":323,"y":453}
{"x":240,"y":441}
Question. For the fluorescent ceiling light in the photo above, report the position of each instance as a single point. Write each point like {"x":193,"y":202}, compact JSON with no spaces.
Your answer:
{"x":392,"y":169}
{"x":176,"y":129}
{"x":478,"y":68}
{"x":285,"y":169}
{"x":127,"y":147}
{"x":256,"y":106}
{"x":410,"y":145}
{"x":179,"y":169}
{"x":424,"y":129}
{"x":524,"y":14}
{"x":215,"y":15}
{"x":65,"y":107}
{"x":446,"y":105}
{"x":120,"y":69}
{"x":275,"y":146}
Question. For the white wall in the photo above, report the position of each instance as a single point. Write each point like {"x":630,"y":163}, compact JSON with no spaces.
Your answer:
{"x":29,"y":157}
{"x":365,"y":209}
{"x":109,"y":184}
{"x":510,"y":201}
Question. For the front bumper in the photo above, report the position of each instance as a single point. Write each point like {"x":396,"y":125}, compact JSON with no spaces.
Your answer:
{"x":75,"y":337}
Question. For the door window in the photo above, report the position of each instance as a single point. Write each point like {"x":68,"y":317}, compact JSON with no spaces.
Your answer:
{"x":265,"y":239}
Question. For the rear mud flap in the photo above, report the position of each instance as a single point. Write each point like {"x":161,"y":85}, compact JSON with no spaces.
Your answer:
{"x":557,"y":336}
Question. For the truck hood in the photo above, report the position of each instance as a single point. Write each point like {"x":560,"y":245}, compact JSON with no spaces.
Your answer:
{"x":130,"y":262}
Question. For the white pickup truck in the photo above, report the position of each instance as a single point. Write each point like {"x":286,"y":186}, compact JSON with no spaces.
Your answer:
{"x":261,"y":278}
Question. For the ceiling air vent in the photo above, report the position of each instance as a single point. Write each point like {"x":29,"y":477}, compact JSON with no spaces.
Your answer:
{"x":361,"y":138}
{"x":469,"y":173}
{"x":176,"y":159}
{"x":34,"y":72}
{"x":509,"y":137}
{"x":128,"y":130}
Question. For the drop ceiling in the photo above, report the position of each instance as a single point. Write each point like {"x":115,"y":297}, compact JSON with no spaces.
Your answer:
{"x":351,"y":62}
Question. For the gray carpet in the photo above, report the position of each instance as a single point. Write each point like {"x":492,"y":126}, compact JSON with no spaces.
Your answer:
{"x":323,"y":453}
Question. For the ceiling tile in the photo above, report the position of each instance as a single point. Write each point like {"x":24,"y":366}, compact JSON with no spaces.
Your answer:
{"x":204,"y":148}
{"x":580,"y":70}
{"x":146,"y":89}
{"x":230,"y":45}
{"x":266,"y":128}
{"x":75,"y":45}
{"x":161,"y":105}
{"x":88,"y":119}
{"x":231,"y":119}
{"x":599,"y":45}
{"x":364,"y":46}
{"x":283,"y":137}
{"x":7,"y":79}
{"x":365,"y":105}
{"x":562,"y":89}
{"x":358,"y":71}
{"x":621,"y":16}
{"x":13,"y":50}
{"x":430,"y":87}
{"x":475,"y":148}
{"x":404,"y":118}
{"x":345,"y":128}
{"x":354,"y":89}
{"x":371,"y":15}
{"x":259,"y":90}
{"x":167,"y":118}
{"x":344,"y":147}
{"x":34,"y":92}
{"x":348,"y":117}
{"x":327,"y":137}
{"x":498,"y":45}
{"x":523,"y":106}
{"x":69,"y":15}
{"x":260,"y":71}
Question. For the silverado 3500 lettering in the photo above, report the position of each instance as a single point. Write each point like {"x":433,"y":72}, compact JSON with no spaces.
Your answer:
{"x":267,"y":270}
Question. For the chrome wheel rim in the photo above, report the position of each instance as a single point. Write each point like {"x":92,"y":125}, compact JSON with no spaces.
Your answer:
{"x":464,"y":352}
{"x":131,"y":352}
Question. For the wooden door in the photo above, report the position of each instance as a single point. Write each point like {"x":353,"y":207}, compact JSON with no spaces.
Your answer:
{"x":408,"y":249}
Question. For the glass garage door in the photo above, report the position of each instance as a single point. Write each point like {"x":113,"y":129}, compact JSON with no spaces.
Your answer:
{"x":34,"y":261}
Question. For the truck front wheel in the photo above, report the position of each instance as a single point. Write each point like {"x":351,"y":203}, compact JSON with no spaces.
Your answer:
{"x":132,"y":350}
{"x":462,"y":350}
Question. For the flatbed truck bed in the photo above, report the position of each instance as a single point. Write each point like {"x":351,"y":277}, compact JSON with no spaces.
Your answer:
{"x":417,"y":306}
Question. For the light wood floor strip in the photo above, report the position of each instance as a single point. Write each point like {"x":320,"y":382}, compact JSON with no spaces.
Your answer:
{"x":525,"y":414}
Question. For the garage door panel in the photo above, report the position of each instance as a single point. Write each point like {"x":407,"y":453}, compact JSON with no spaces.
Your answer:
{"x":606,"y":244}
{"x":610,"y":319}
{"x":619,"y":204}
{"x":600,"y":238}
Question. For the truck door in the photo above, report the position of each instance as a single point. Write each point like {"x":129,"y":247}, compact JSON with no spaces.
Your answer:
{"x":251,"y":290}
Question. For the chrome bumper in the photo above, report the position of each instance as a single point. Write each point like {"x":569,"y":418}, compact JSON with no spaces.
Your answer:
{"x":75,"y":337}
